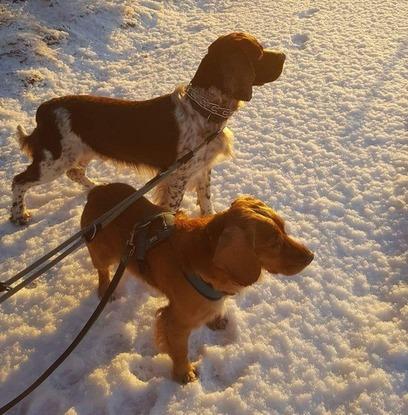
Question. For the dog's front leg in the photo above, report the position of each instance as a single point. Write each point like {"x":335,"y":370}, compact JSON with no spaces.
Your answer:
{"x":172,"y":336}
{"x":171,"y":193}
{"x":204,"y":193}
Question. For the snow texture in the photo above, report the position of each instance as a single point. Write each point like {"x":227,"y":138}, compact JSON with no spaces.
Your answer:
{"x":325,"y":145}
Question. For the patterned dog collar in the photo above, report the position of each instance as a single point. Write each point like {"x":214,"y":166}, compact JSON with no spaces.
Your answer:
{"x":206,"y":108}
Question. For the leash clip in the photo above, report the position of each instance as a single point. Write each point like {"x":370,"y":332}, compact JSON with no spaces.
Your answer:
{"x":132,"y":248}
{"x":90,"y":233}
{"x":136,"y":229}
{"x":131,"y":242}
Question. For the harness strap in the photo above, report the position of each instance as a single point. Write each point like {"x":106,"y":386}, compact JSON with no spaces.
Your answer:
{"x":142,"y":242}
{"x":204,"y":288}
{"x":91,"y":230}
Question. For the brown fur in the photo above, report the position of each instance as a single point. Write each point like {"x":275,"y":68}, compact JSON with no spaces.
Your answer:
{"x":133,"y":132}
{"x":73,"y":130}
{"x":146,"y":132}
{"x":228,"y":250}
{"x":237,"y":62}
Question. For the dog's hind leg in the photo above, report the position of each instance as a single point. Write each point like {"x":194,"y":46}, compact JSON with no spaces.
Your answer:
{"x":78,"y":175}
{"x":38,"y":172}
{"x":21,"y":183}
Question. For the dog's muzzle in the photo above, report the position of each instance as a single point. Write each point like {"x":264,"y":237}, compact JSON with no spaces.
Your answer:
{"x":269,"y":67}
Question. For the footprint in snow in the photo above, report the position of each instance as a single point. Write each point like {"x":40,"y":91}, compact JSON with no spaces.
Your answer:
{"x":196,"y":28}
{"x":148,"y":19}
{"x":147,"y":368}
{"x":155,"y":5}
{"x":299,"y":40}
{"x":307,"y":14}
{"x":115,"y":344}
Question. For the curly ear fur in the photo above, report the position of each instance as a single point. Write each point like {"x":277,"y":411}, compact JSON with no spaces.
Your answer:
{"x":234,"y":254}
{"x":255,"y":205}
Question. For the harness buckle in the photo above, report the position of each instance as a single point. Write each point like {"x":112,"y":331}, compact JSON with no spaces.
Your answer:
{"x":131,"y":241}
{"x":132,"y":247}
{"x":139,"y":241}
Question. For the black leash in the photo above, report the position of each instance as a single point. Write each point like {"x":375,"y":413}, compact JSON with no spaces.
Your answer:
{"x":129,"y":250}
{"x":75,"y":241}
{"x":11,"y":291}
{"x":90,"y":231}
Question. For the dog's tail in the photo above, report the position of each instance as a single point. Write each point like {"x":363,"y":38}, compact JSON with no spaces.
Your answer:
{"x":26,"y":141}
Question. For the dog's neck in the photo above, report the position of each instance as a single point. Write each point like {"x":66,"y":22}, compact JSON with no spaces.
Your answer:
{"x":210,"y":103}
{"x":195,"y":250}
{"x":190,"y":241}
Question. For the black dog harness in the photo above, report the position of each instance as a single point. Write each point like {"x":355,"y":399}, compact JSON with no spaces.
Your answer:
{"x":142,"y":238}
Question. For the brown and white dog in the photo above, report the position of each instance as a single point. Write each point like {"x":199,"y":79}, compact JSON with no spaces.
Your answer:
{"x":225,"y":251}
{"x":73,"y":130}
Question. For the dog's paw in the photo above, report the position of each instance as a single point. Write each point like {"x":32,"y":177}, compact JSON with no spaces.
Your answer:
{"x":219,"y":323}
{"x":190,"y":376}
{"x":21,"y":219}
{"x":186,"y":376}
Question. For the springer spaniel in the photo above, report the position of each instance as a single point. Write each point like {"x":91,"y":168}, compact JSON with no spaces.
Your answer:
{"x":72,"y":130}
{"x":224,"y":253}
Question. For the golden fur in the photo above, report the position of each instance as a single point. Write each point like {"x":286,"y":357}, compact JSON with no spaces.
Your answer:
{"x":227,"y":250}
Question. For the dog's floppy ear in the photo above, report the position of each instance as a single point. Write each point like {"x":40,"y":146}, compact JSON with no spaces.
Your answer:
{"x":235,"y":256}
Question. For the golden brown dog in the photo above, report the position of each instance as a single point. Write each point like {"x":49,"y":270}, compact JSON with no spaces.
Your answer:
{"x":227,"y":251}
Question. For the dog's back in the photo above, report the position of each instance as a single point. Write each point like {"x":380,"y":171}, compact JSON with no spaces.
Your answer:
{"x":104,"y":197}
{"x":108,"y":245}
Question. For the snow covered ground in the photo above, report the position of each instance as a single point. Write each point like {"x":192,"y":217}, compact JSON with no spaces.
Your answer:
{"x":326,"y":145}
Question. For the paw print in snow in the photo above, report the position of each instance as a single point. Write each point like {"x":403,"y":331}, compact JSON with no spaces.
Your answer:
{"x":299,"y":40}
{"x":306,"y":14}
